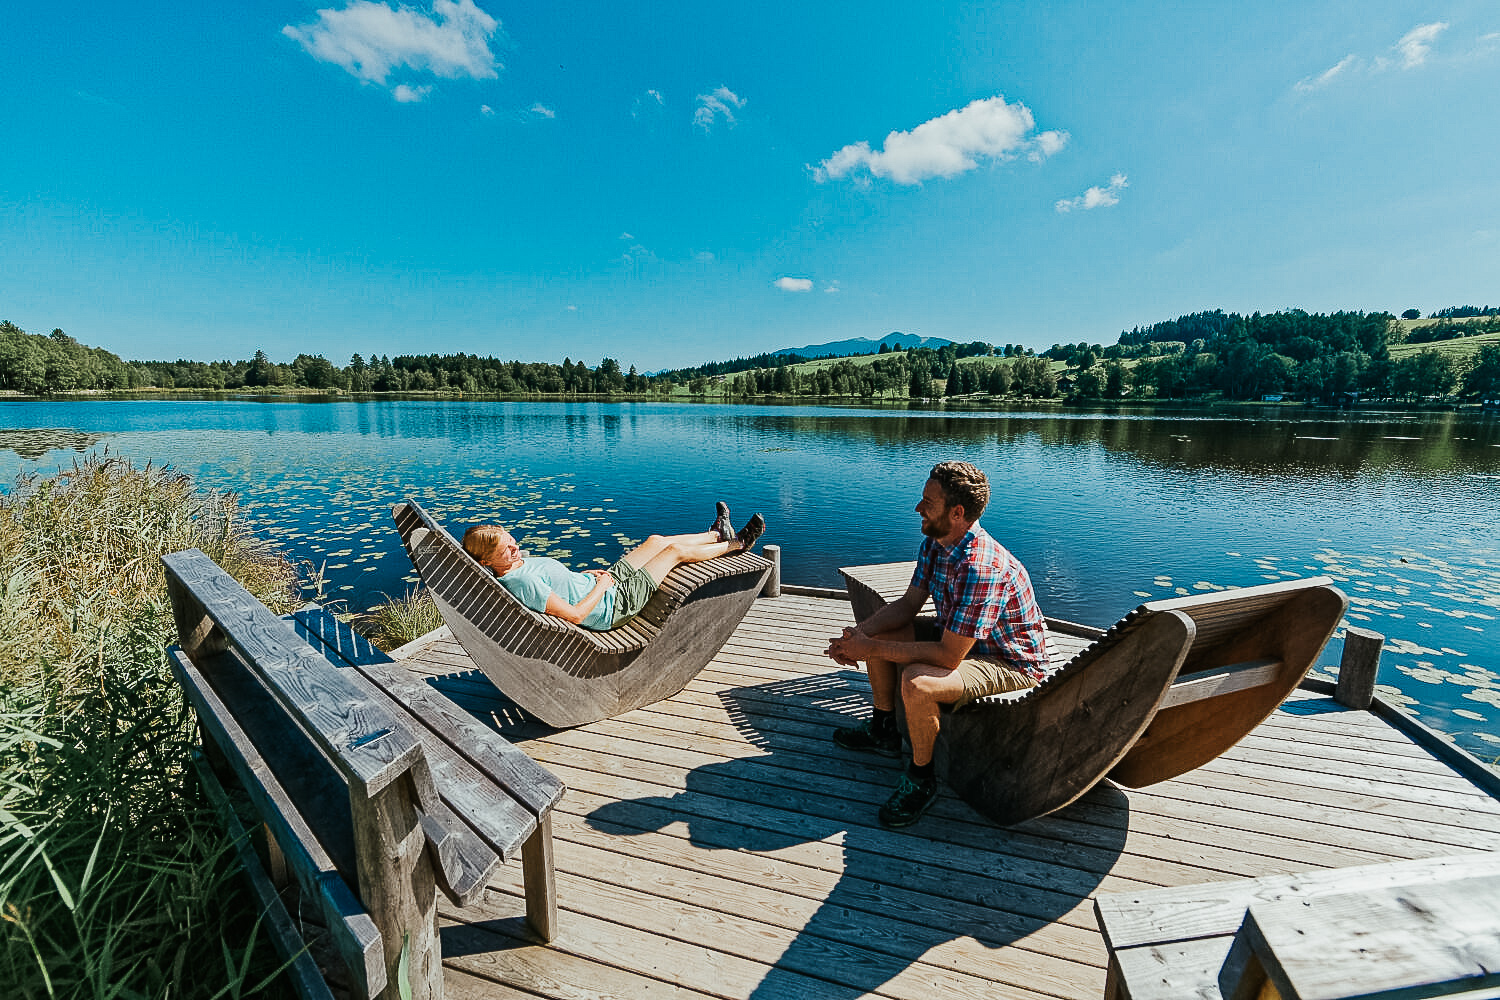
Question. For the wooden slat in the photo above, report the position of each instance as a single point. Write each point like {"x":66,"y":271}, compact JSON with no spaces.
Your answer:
{"x":288,"y":941}
{"x":1219,"y":681}
{"x":508,"y":767}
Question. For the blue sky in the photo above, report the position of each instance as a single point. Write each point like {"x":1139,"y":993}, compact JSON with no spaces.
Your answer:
{"x":671,"y":183}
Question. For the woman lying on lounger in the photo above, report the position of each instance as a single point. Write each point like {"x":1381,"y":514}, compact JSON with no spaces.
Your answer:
{"x":600,"y":599}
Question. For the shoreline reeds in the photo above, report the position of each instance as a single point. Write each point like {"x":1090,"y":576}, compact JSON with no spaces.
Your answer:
{"x":116,"y":879}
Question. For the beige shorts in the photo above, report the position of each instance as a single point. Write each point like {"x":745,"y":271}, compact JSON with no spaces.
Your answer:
{"x":981,"y":675}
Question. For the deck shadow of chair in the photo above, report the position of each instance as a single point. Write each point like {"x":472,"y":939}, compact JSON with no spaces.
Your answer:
{"x":1165,"y":690}
{"x":801,"y":815}
{"x":565,"y":675}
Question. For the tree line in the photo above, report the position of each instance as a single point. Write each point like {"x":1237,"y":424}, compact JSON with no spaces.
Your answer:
{"x":1330,"y":357}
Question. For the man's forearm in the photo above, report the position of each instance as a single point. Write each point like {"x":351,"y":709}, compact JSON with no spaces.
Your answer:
{"x":889,"y":618}
{"x":934,"y":653}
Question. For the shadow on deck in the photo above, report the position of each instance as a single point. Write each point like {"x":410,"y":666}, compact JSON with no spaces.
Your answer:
{"x":717,"y":845}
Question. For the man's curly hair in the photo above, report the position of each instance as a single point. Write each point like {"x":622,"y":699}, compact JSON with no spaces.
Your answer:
{"x":964,"y":484}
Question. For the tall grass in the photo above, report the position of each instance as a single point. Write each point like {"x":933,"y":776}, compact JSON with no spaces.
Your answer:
{"x":116,"y":879}
{"x":401,"y":619}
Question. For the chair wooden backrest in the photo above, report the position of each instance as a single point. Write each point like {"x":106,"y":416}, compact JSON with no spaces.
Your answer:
{"x":565,"y":675}
{"x":1168,"y":688}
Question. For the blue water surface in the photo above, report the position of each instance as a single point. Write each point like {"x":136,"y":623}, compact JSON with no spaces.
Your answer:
{"x":1106,"y":508}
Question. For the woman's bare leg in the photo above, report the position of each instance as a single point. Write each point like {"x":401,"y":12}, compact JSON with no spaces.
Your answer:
{"x":660,"y":554}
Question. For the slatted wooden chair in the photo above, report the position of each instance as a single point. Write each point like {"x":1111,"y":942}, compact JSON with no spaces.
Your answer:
{"x":1168,"y":688}
{"x":565,"y":675}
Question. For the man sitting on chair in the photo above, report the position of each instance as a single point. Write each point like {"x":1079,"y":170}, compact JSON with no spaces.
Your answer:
{"x":601,"y":599}
{"x":988,"y":636}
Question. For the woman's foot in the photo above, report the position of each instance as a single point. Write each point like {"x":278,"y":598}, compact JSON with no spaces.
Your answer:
{"x":751,"y":532}
{"x":723,"y":526}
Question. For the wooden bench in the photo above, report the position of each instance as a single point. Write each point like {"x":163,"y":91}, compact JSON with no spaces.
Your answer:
{"x":1166,"y":689}
{"x":1400,"y":930}
{"x":373,"y":790}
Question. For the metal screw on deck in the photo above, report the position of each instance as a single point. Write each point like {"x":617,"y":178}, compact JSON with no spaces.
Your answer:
{"x":1357,"y":669}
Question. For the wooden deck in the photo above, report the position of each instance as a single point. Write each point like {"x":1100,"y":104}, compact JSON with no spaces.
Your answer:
{"x":717,"y":845}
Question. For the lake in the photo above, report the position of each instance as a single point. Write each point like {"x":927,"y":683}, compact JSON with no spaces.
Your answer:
{"x":1107,"y":509}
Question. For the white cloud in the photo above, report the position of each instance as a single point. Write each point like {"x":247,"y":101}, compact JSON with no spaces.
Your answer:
{"x":705,"y":257}
{"x":372,"y":41}
{"x":832,"y":288}
{"x":1326,"y":77}
{"x":794,"y":284}
{"x":1096,"y":197}
{"x":1411,"y":51}
{"x":410,"y":95}
{"x":486,"y":110}
{"x":719,"y":105}
{"x":541,"y":110}
{"x":649,"y":105}
{"x":949,"y":145}
{"x":1416,"y":43}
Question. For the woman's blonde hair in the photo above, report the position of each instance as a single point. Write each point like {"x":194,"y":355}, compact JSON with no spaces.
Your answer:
{"x":482,"y":540}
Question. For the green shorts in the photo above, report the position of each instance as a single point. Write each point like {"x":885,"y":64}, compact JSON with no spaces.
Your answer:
{"x":981,"y":675}
{"x":633,"y":588}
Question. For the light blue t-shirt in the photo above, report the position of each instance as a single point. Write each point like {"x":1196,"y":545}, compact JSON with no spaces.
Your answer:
{"x":539,"y":576}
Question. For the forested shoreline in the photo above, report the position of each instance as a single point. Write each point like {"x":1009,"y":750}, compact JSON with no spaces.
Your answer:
{"x":1317,"y":357}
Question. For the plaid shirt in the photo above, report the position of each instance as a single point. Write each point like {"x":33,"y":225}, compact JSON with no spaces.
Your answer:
{"x":983,"y":592}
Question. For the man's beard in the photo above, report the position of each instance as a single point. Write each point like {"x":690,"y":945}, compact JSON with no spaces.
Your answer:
{"x":934,"y":528}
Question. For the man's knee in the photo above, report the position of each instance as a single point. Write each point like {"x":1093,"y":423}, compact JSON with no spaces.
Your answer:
{"x":923,"y":682}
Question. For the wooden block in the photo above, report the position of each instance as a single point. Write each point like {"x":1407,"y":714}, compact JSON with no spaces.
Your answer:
{"x":1399,"y":943}
{"x":1358,"y":668}
{"x":1130,"y":920}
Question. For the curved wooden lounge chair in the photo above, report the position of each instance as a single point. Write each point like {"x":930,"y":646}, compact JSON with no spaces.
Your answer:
{"x":1168,"y":688}
{"x":566,"y":675}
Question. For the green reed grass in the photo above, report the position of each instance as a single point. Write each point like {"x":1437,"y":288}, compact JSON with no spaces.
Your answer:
{"x":116,"y":879}
{"x":401,"y":619}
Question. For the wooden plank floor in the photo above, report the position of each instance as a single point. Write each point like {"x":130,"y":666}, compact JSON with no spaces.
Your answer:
{"x":717,"y":845}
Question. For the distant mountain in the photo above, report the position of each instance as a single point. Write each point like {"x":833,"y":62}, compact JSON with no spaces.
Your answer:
{"x":864,"y":345}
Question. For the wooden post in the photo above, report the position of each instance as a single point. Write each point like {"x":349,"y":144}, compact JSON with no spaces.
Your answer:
{"x":1357,"y":669}
{"x":398,"y":887}
{"x":539,"y":880}
{"x":773,"y":582}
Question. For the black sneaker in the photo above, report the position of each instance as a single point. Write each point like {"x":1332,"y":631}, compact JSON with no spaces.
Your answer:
{"x":865,"y":739}
{"x":910,"y":800}
{"x":751,"y":532}
{"x":722,"y":524}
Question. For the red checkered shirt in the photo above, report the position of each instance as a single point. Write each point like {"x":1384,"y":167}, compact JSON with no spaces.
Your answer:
{"x":983,"y":592}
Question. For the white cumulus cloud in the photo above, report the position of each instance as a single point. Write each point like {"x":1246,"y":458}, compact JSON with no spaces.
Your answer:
{"x":372,"y":41}
{"x":949,"y":145}
{"x":410,"y":95}
{"x":1096,"y":197}
{"x":720,"y":105}
{"x":794,"y":284}
{"x":541,"y":110}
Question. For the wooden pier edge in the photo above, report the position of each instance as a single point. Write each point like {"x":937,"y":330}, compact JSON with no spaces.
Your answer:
{"x":1456,"y":757}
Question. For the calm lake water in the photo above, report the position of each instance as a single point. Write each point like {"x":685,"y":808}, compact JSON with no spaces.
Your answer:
{"x":1106,"y":509}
